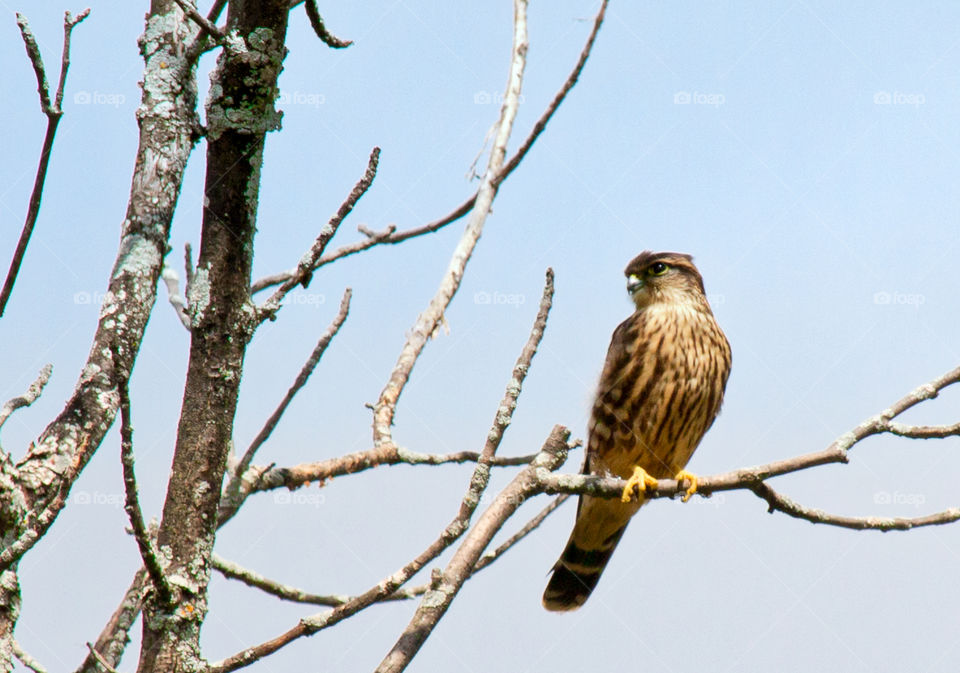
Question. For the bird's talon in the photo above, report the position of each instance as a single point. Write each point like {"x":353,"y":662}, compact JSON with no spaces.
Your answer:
{"x":639,"y":480}
{"x":694,"y":483}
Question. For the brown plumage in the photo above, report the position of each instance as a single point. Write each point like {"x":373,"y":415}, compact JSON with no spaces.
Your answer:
{"x":661,"y":388}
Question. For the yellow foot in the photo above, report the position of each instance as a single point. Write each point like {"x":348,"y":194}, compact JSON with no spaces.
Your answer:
{"x":640,"y":480}
{"x":694,"y":482}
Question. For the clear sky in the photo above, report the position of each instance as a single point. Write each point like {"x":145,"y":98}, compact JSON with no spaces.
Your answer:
{"x":813,"y":176}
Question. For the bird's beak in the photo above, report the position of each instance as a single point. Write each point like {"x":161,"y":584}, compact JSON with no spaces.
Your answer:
{"x":634,"y":283}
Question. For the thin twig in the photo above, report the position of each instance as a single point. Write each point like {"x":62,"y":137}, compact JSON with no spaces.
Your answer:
{"x":236,"y":490}
{"x":391,"y":236}
{"x":316,"y":21}
{"x":53,"y":113}
{"x":24,"y":658}
{"x":132,"y":504}
{"x":29,"y":397}
{"x":304,"y":270}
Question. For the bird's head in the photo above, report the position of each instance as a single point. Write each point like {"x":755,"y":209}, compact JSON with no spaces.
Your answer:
{"x":665,"y":277}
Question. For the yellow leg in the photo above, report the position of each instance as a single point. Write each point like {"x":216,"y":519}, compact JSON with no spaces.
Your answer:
{"x":694,"y":482}
{"x":639,"y":480}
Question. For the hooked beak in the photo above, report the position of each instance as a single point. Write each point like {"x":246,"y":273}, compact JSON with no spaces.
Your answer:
{"x":634,"y":283}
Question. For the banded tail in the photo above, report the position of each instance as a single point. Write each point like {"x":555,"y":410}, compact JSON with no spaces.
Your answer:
{"x":577,"y":572}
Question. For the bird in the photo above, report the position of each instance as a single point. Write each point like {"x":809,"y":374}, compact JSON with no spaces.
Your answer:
{"x":661,"y":388}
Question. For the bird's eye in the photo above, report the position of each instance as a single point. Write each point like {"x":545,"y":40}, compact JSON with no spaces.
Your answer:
{"x":657,"y":269}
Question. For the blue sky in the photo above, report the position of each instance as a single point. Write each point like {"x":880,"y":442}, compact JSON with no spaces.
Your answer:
{"x":812,"y":174}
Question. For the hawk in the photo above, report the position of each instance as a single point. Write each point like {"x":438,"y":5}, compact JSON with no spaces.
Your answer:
{"x":661,"y":388}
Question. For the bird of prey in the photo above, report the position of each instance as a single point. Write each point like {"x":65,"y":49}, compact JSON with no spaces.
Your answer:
{"x":661,"y":388}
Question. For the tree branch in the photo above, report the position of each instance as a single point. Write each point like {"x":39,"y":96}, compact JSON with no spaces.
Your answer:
{"x":391,"y":236}
{"x":132,"y":504}
{"x":316,"y":22}
{"x":304,"y":271}
{"x":456,"y":528}
{"x":53,"y":113}
{"x":29,"y":397}
{"x":24,"y":658}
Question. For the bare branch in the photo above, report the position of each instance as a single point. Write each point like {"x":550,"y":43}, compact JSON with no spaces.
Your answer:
{"x":923,"y":431}
{"x":104,"y":664}
{"x":233,"y":571}
{"x":304,"y":270}
{"x":29,"y":397}
{"x":320,"y":471}
{"x":316,"y":21}
{"x":132,"y":504}
{"x":53,"y":113}
{"x":391,"y":236}
{"x":206,"y":26}
{"x":456,"y":528}
{"x":24,"y":658}
{"x":236,"y":490}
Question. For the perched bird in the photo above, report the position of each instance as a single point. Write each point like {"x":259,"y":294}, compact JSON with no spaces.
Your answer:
{"x":661,"y":388}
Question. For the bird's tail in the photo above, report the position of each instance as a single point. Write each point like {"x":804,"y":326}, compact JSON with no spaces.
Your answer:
{"x":577,"y":572}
